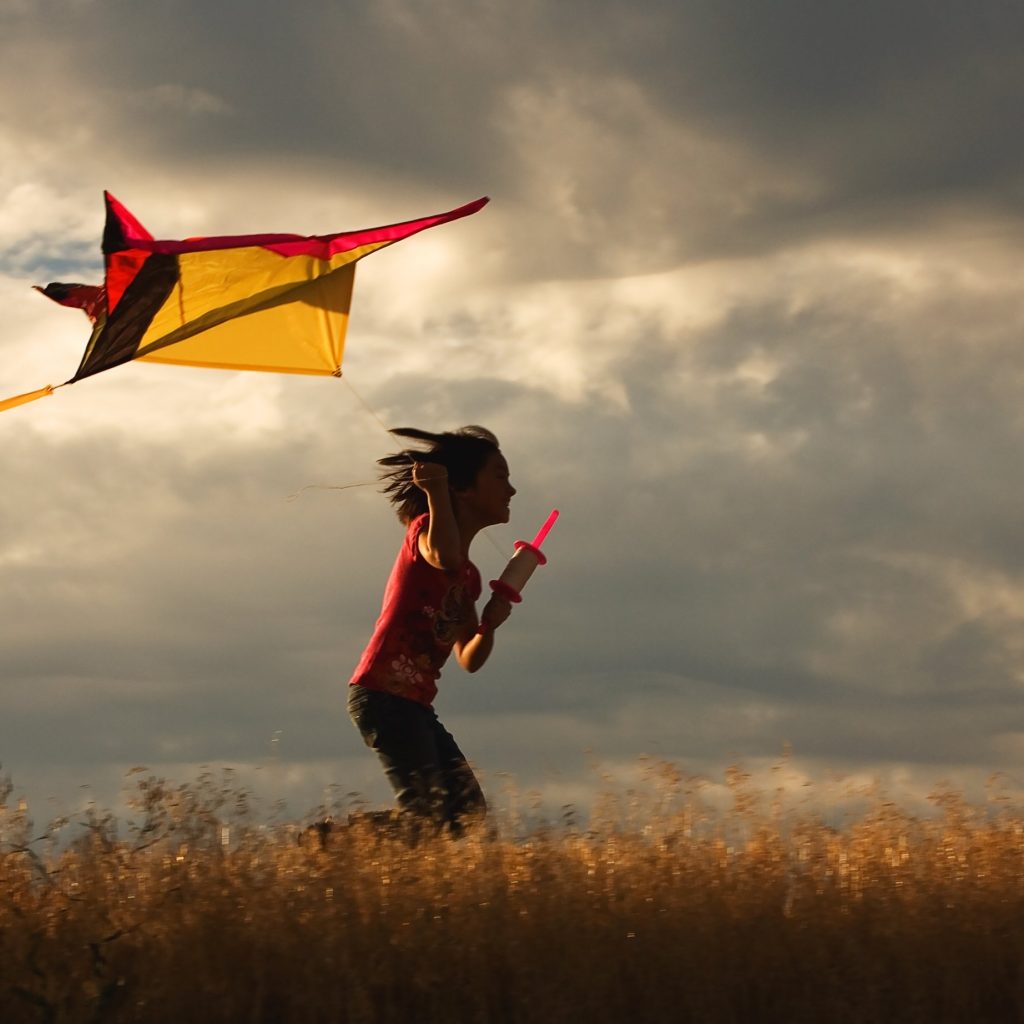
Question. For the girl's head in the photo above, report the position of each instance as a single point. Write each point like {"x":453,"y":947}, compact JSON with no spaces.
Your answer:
{"x":477,"y":471}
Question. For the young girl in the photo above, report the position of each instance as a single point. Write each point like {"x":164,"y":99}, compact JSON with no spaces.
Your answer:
{"x":445,"y":492}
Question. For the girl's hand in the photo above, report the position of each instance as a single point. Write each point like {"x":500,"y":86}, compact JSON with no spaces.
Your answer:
{"x":429,"y":475}
{"x":495,"y":612}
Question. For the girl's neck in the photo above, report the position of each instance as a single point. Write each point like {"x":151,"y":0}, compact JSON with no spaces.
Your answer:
{"x":468,"y":528}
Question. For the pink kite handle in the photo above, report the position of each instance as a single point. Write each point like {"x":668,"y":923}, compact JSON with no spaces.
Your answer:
{"x":545,"y":529}
{"x":519,"y":570}
{"x":510,"y":594}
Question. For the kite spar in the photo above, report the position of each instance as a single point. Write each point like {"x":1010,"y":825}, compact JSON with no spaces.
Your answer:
{"x":272,"y":302}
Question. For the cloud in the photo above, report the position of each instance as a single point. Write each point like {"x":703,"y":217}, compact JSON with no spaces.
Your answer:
{"x":745,"y":307}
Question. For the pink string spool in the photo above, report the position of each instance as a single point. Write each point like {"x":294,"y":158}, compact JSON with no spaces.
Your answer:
{"x":523,"y":563}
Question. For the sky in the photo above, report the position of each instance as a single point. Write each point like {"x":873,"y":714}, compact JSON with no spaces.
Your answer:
{"x":745,"y":306}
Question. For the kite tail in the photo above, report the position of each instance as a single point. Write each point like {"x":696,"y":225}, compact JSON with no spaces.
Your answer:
{"x":29,"y":396}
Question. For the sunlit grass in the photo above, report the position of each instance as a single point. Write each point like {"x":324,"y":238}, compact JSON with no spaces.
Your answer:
{"x":665,"y":906}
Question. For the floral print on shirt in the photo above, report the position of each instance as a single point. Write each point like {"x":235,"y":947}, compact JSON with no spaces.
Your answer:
{"x":423,"y":611}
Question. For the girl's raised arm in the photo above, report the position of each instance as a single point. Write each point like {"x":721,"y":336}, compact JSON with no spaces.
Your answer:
{"x":441,"y":543}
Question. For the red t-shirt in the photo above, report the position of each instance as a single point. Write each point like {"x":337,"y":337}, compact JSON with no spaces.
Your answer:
{"x":422,"y":610}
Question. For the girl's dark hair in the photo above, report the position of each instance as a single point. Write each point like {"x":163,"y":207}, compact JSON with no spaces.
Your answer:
{"x":462,"y":452}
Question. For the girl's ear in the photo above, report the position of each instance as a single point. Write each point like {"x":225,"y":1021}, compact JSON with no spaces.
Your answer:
{"x":460,"y":493}
{"x":459,"y":490}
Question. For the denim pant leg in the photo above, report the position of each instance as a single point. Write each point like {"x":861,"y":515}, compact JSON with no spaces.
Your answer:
{"x":462,"y":793}
{"x":426,"y":769}
{"x":399,"y":732}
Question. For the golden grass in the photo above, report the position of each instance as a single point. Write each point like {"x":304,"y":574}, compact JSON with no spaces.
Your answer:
{"x":662,"y":909}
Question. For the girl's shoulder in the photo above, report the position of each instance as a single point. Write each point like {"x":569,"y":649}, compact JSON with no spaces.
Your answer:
{"x":417,"y":524}
{"x":415,"y":528}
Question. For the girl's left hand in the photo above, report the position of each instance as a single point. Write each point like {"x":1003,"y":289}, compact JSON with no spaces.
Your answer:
{"x":496,"y":611}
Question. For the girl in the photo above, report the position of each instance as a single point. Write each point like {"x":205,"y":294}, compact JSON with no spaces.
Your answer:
{"x":445,"y":492}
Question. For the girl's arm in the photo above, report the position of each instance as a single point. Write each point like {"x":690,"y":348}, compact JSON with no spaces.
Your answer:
{"x":474,"y":646}
{"x":441,"y":543}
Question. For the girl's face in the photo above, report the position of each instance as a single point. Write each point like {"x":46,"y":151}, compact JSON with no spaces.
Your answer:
{"x":490,"y":493}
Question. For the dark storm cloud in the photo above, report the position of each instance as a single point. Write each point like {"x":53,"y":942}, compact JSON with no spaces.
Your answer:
{"x":624,"y":135}
{"x":237,"y":81}
{"x":832,"y":77}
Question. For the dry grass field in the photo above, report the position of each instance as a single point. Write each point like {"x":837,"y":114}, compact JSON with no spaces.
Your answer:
{"x":662,"y":908}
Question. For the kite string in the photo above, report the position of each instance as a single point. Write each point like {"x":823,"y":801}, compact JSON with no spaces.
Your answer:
{"x":331,"y":487}
{"x":369,"y":409}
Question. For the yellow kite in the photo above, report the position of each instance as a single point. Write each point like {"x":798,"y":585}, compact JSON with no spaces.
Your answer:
{"x":242,"y":302}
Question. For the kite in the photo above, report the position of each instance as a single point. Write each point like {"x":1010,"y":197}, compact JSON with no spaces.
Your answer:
{"x":241,"y":302}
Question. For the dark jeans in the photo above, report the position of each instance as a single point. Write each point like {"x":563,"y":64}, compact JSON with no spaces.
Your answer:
{"x":421,"y":759}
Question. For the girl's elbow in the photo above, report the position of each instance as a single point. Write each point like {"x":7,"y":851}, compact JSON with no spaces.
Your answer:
{"x":469,"y":664}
